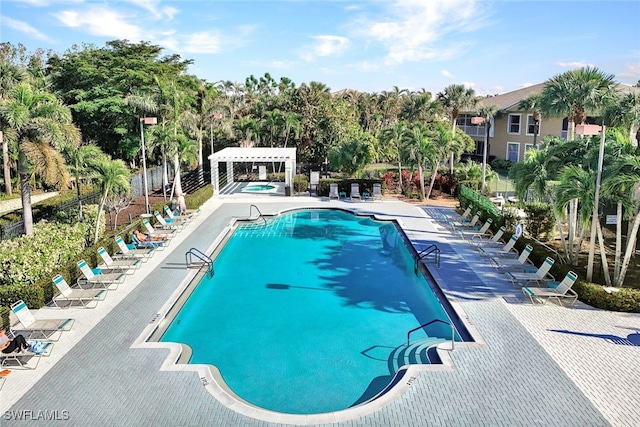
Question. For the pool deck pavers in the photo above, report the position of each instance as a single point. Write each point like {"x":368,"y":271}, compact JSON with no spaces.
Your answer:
{"x":536,"y":365}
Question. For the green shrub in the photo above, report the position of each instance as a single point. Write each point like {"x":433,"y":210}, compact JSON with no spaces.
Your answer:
{"x":300,"y":183}
{"x":4,"y":317}
{"x":32,"y":294}
{"x":540,"y":220}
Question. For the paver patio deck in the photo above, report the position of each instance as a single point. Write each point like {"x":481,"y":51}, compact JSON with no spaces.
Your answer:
{"x":542,"y":365}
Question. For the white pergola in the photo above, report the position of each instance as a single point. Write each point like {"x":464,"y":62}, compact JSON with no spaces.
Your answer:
{"x":254,"y":154}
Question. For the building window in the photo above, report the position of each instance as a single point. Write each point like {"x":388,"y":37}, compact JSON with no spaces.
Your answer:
{"x":527,"y":147}
{"x":565,"y":128}
{"x":513,"y":151}
{"x":531,"y":125}
{"x":514,"y":123}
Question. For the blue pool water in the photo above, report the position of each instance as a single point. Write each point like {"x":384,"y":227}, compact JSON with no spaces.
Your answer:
{"x":258,"y":187}
{"x":305,"y":314}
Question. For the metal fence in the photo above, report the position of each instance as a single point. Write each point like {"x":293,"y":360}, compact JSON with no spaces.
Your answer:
{"x":154,"y":181}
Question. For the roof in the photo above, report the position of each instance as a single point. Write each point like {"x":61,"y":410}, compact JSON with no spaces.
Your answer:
{"x":254,"y":154}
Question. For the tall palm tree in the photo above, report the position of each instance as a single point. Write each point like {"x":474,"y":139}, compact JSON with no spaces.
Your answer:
{"x":393,"y":136}
{"x":39,"y":124}
{"x":79,"y":161}
{"x":576,"y":93}
{"x":111,"y":177}
{"x":455,"y":98}
{"x":419,"y":150}
{"x":626,"y":112}
{"x":487,"y":112}
{"x":10,"y":75}
{"x":532,"y":104}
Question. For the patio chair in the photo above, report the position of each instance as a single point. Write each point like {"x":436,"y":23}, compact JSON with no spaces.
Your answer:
{"x":466,"y":214}
{"x":366,"y":196}
{"x":505,"y":251}
{"x":124,"y":265}
{"x":333,"y":191}
{"x":153,"y":232}
{"x":377,"y":192}
{"x":169,"y":224}
{"x":153,"y":244}
{"x":129,"y":251}
{"x":189,"y":213}
{"x":554,"y":290}
{"x":462,"y":224}
{"x":44,"y":329}
{"x":96,"y":279}
{"x":487,"y":240}
{"x":84,"y":296}
{"x":177,"y":218}
{"x":522,"y":263}
{"x":19,"y":358}
{"x":355,"y":191}
{"x":541,"y":273}
{"x":483,"y":231}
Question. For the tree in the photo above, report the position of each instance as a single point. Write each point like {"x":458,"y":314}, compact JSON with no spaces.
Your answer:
{"x":455,"y":98}
{"x":79,"y":161}
{"x":532,"y":104}
{"x":39,"y":124}
{"x":353,"y":153}
{"x":487,"y":112}
{"x":626,"y":112}
{"x":419,"y":150}
{"x":393,"y":137}
{"x":576,"y":93}
{"x":10,"y":75}
{"x":111,"y":177}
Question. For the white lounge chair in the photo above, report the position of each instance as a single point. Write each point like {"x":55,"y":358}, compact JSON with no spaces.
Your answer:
{"x":153,"y":232}
{"x":489,"y":241}
{"x":169,"y":224}
{"x":333,"y":191}
{"x":22,"y":360}
{"x":355,"y":191}
{"x":505,"y":251}
{"x":465,"y":224}
{"x":189,"y":213}
{"x":155,"y":244}
{"x":482,"y":231}
{"x":125,"y":265}
{"x":522,"y":263}
{"x":554,"y":290}
{"x":541,"y":273}
{"x":177,"y":218}
{"x":130,"y":251}
{"x":44,"y":329}
{"x":377,"y":192}
{"x":84,"y":296}
{"x":96,"y":279}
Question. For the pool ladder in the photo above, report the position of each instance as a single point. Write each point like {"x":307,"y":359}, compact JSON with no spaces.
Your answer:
{"x":260,"y":215}
{"x":431,"y":249}
{"x":202,"y":260}
{"x":453,"y":331}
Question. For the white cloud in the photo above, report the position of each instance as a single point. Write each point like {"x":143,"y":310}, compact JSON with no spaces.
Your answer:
{"x":202,"y":42}
{"x":573,"y":64}
{"x":101,"y":21}
{"x":631,"y":71}
{"x":153,"y":7}
{"x":470,"y":85}
{"x":418,"y":30}
{"x":24,"y":28}
{"x":326,"y":45}
{"x":446,"y":73}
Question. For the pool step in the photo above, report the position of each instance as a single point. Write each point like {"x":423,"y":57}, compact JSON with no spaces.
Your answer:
{"x":416,"y":354}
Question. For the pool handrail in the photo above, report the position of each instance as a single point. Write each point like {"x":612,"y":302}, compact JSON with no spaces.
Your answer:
{"x":202,"y":257}
{"x":260,"y":215}
{"x":453,"y":331}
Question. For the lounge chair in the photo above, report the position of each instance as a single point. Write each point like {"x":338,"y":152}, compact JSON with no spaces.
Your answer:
{"x":333,"y":191}
{"x":123,"y":265}
{"x":190,"y":213}
{"x":84,"y":296}
{"x":377,"y":192}
{"x":482,"y":231}
{"x":153,"y":232}
{"x":96,"y":279}
{"x":488,"y":241}
{"x":505,"y":251}
{"x":355,"y":191}
{"x":177,"y":218}
{"x":465,"y":224}
{"x":43,"y":329}
{"x":129,"y":251}
{"x":554,"y":290}
{"x":19,"y":358}
{"x":540,"y":274}
{"x":466,"y":214}
{"x":169,"y":224}
{"x":366,"y":195}
{"x":521,"y":264}
{"x":147,"y":244}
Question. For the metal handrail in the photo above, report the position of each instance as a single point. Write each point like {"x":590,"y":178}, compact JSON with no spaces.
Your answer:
{"x":453,"y":331}
{"x":424,"y":253}
{"x":194,"y":252}
{"x":549,"y":248}
{"x":260,"y":215}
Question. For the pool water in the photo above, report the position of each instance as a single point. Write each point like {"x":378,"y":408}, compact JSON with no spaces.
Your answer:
{"x":259,"y":187}
{"x":304,"y":314}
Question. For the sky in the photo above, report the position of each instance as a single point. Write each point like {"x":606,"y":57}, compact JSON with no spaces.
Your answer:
{"x":367,"y":45}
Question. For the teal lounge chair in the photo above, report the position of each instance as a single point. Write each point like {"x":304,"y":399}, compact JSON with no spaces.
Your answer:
{"x":541,"y":274}
{"x":41,"y":329}
{"x":129,"y":251}
{"x":88,"y":298}
{"x":96,"y":279}
{"x":123,"y":265}
{"x":554,"y":290}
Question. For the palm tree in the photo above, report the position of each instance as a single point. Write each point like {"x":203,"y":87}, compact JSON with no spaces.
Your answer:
{"x":455,"y":98}
{"x":626,"y":112}
{"x":419,"y":150}
{"x":487,"y":112}
{"x":39,"y":124}
{"x":532,"y":104}
{"x":110,"y":176}
{"x":393,"y":136}
{"x":10,"y":75}
{"x":79,"y":161}
{"x":576,"y":93}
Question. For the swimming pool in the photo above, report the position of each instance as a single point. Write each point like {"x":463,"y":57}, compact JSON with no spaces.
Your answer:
{"x":309,"y":312}
{"x":259,"y":188}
